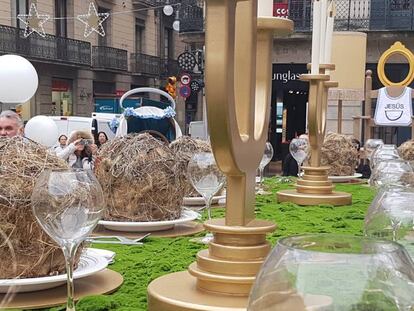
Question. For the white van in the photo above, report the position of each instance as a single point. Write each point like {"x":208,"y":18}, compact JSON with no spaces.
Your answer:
{"x":99,"y":122}
{"x":67,"y":125}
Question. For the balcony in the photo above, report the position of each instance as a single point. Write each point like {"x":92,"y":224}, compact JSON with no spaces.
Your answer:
{"x":144,"y":64}
{"x":191,"y":16}
{"x":104,"y":57}
{"x":49,"y":48}
{"x":153,"y":3}
{"x":358,"y":15}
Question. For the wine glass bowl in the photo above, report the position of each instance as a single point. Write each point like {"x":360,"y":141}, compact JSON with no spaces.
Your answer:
{"x":206,"y":178}
{"x":391,"y":217}
{"x":68,"y":203}
{"x":266,"y":158}
{"x":370,"y":145}
{"x":299,"y":149}
{"x":334,"y":272}
{"x":391,"y":172}
{"x":383,"y":153}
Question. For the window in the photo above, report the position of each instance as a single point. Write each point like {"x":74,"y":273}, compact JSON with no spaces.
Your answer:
{"x":398,"y":5}
{"x":168,"y":43}
{"x":139,"y":35}
{"x":19,"y":7}
{"x":105,"y":40}
{"x":61,"y":24}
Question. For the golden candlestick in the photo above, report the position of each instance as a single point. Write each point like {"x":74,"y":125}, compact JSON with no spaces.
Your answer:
{"x":238,"y":87}
{"x":314,"y":187}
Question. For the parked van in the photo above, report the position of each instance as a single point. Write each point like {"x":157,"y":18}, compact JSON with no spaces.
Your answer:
{"x":98,"y":122}
{"x":67,"y":125}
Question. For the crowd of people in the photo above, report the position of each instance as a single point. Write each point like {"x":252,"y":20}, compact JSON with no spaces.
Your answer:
{"x":79,"y":149}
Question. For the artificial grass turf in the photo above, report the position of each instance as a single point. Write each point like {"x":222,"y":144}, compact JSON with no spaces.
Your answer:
{"x":139,"y":265}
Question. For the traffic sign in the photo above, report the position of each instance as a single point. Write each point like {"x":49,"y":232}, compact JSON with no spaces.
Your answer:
{"x":185,"y":91}
{"x":185,"y":79}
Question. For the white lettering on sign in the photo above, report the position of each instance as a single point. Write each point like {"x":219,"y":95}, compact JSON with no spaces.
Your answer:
{"x":282,"y":12}
{"x":286,"y":76}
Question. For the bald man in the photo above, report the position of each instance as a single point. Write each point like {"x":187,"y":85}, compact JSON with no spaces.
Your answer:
{"x":10,"y":124}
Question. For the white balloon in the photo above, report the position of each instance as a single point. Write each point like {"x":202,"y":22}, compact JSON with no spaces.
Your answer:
{"x":18,"y":79}
{"x":168,"y":10}
{"x":176,"y":25}
{"x":42,"y":130}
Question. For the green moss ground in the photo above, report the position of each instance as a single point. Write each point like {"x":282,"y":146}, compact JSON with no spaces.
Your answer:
{"x":158,"y":256}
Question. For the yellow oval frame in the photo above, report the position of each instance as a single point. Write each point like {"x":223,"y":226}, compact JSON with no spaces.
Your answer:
{"x":396,"y":48}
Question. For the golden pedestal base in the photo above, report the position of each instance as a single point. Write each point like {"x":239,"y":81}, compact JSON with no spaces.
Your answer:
{"x":313,"y":189}
{"x":178,"y":292}
{"x":222,"y":276}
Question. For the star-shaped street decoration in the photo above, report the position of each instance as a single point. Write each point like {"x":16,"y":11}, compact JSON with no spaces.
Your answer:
{"x":93,"y":21}
{"x":34,"y":21}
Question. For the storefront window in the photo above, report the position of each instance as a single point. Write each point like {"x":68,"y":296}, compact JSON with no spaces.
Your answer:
{"x":62,"y":97}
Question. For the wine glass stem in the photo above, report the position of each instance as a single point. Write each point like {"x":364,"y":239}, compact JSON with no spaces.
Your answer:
{"x":261,"y":178}
{"x":69,"y":251}
{"x":208,"y":206}
{"x":299,"y":169}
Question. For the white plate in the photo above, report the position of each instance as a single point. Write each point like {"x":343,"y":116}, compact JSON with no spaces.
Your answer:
{"x":149,"y":226}
{"x":108,"y":255}
{"x":197,"y":201}
{"x":90,"y":263}
{"x":344,"y":178}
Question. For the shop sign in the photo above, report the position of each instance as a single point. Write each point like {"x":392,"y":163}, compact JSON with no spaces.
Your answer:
{"x":285,"y":77}
{"x":119,"y":93}
{"x":281,"y":10}
{"x":60,"y":86}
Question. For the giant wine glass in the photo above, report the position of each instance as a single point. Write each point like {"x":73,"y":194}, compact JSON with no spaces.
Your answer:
{"x":391,"y":172}
{"x":391,"y":216}
{"x":68,"y":204}
{"x":299,"y":149}
{"x":267,"y":157}
{"x":334,"y":272}
{"x":383,"y":153}
{"x":370,"y":145}
{"x":207,"y":180}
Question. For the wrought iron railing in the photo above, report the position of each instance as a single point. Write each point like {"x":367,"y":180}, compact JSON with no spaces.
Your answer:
{"x":361,"y":15}
{"x":191,"y":16}
{"x":145,"y":64}
{"x":109,"y":58}
{"x":154,"y":2}
{"x":153,"y":65}
{"x":50,"y":48}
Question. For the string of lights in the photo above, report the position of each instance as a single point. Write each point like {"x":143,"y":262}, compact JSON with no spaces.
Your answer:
{"x":93,"y":19}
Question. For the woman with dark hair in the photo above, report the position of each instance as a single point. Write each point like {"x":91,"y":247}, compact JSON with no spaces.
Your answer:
{"x":81,"y":150}
{"x":102,"y":138}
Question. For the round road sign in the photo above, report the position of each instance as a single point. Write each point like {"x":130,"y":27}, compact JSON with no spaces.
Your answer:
{"x":185,"y":79}
{"x":185,"y":91}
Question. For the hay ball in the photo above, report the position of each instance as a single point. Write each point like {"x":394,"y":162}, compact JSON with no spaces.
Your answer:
{"x":184,"y":148}
{"x":141,"y":179}
{"x":340,"y":154}
{"x":28,"y":251}
{"x":406,"y":150}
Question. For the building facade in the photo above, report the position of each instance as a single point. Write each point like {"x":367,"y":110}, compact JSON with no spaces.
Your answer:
{"x":79,"y":75}
{"x":384,"y":22}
